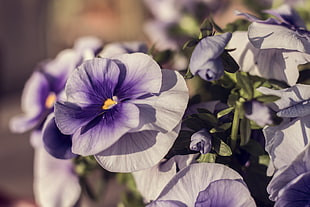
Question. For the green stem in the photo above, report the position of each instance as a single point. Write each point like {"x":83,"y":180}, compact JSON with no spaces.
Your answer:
{"x":235,"y":128}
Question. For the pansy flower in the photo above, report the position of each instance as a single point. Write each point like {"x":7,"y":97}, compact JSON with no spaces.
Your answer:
{"x":123,"y":111}
{"x":47,"y":82}
{"x":201,"y":141}
{"x":285,"y":141}
{"x":206,"y":58}
{"x":286,"y":31}
{"x":278,"y":64}
{"x":257,"y":112}
{"x":218,"y":185}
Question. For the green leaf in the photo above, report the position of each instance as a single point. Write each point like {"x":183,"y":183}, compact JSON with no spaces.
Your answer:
{"x":254,"y":148}
{"x":209,"y":157}
{"x":188,"y":74}
{"x":245,"y":131}
{"x":264,"y":160}
{"x":206,"y":28}
{"x":267,"y":98}
{"x":244,"y":82}
{"x":221,"y":128}
{"x":225,"y":112}
{"x":190,"y":43}
{"x":208,"y":118}
{"x":220,"y":147}
{"x":229,"y":63}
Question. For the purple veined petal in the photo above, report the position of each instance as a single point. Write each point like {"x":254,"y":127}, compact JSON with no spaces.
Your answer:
{"x":286,"y":14}
{"x":166,"y":204}
{"x":225,"y":192}
{"x":164,"y":112}
{"x":114,"y":49}
{"x":70,"y":117}
{"x":296,"y":193}
{"x":205,"y":59}
{"x":137,"y":151}
{"x":299,"y":110}
{"x":159,"y":175}
{"x":185,"y":186}
{"x":258,"y":112}
{"x":93,"y":82}
{"x":56,"y":143}
{"x":292,"y":135}
{"x":143,"y":76}
{"x":34,"y":97}
{"x":55,"y":182}
{"x":201,"y":141}
{"x":281,"y":178}
{"x":267,"y":36}
{"x":289,"y":97}
{"x":106,"y":130}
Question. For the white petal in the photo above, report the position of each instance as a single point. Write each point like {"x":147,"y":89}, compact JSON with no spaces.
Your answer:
{"x":137,"y":151}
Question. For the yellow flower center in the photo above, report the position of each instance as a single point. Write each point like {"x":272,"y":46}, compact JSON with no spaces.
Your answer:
{"x":109,"y":103}
{"x":50,"y":100}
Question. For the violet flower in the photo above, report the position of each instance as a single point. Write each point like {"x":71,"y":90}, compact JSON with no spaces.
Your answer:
{"x":201,"y":141}
{"x":218,"y":185}
{"x":114,"y":104}
{"x":286,"y":31}
{"x":113,"y":49}
{"x":278,"y":64}
{"x":47,"y":82}
{"x":285,"y":141}
{"x":55,"y":182}
{"x":205,"y":60}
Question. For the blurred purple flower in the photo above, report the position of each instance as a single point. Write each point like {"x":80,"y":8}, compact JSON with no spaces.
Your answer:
{"x":47,"y":82}
{"x":201,"y":141}
{"x":218,"y":185}
{"x":113,"y":49}
{"x":205,"y":60}
{"x":286,"y":31}
{"x":55,"y":182}
{"x":113,"y":104}
{"x":257,"y":112}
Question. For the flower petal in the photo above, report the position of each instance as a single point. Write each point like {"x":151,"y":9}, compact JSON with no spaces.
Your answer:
{"x":143,"y":75}
{"x":185,"y":186}
{"x":56,"y":143}
{"x":266,"y":36}
{"x":164,"y":111}
{"x":102,"y":132}
{"x":137,"y":151}
{"x":166,"y":204}
{"x":115,"y":49}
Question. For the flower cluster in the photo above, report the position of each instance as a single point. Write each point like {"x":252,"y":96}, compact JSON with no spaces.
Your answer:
{"x":219,"y":117}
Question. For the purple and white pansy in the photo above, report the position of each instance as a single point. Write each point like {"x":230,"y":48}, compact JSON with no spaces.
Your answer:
{"x":218,"y":185}
{"x":112,"y":105}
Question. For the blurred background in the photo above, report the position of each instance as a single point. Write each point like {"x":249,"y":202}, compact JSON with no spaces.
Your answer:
{"x":34,"y":30}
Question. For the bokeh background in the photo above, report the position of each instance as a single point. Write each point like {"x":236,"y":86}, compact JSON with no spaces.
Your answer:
{"x":34,"y":30}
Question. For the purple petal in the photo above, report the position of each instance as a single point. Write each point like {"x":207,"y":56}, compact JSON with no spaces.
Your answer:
{"x":288,"y":173}
{"x":93,"y":82}
{"x":137,"y":151}
{"x":225,"y":192}
{"x":258,"y":112}
{"x":33,"y":106}
{"x":105,"y":130}
{"x":143,"y":76}
{"x":87,"y":43}
{"x":166,"y":204}
{"x":70,"y":117}
{"x":205,"y":59}
{"x":115,"y":49}
{"x":296,"y":193}
{"x":56,"y":143}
